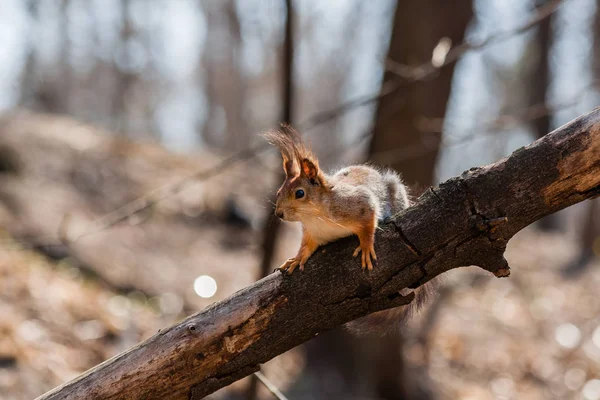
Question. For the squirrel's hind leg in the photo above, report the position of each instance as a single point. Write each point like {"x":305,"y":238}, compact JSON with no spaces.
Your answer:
{"x":366,"y":236}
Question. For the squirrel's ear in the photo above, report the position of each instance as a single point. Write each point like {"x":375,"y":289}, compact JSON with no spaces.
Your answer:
{"x":310,"y":170}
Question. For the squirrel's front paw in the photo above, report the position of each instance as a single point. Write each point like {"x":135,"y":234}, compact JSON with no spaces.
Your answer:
{"x":368,"y":253}
{"x":290,"y":265}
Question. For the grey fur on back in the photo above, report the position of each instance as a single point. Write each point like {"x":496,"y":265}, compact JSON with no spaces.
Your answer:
{"x":385,"y":184}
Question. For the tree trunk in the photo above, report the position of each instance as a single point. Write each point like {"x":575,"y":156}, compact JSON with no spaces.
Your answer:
{"x":539,"y":88}
{"x":466,"y":220}
{"x":123,"y":77}
{"x":272,"y":223}
{"x":287,"y":83}
{"x":418,"y":28}
{"x":541,"y":75}
{"x":590,"y":232}
{"x":225,"y":85}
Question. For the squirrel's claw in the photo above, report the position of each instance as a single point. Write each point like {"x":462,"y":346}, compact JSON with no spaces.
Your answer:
{"x":290,"y":265}
{"x":367,"y":258}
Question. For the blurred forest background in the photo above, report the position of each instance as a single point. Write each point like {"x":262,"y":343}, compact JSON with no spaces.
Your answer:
{"x":135,"y":190}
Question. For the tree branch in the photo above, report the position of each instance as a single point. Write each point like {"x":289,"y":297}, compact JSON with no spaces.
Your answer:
{"x":466,"y":220}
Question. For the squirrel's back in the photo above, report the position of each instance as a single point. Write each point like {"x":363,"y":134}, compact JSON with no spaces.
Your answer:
{"x":384,"y":183}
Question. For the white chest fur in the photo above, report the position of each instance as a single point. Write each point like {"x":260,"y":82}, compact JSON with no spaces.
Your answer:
{"x":325,"y":231}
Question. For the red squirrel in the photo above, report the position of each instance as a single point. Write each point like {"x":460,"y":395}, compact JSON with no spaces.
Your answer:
{"x":350,"y":201}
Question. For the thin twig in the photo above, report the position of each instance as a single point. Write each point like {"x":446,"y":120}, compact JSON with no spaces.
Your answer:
{"x":269,"y":385}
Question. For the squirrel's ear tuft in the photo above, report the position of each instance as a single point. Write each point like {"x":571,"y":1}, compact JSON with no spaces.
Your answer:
{"x":297,"y":156}
{"x":286,"y":147}
{"x":288,"y":131}
{"x":290,"y":167}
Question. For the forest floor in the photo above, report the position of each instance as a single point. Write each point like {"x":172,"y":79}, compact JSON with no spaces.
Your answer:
{"x":535,"y":335}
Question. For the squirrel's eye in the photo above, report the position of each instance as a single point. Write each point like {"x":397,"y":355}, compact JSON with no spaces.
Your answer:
{"x":299,"y":193}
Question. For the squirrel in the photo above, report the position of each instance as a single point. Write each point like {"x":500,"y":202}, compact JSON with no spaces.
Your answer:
{"x":351,"y":201}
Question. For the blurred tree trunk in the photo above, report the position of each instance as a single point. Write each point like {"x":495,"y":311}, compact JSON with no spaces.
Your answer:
{"x":596,"y":54}
{"x":124,"y":78}
{"x":589,"y":235}
{"x":541,"y":75}
{"x":28,"y":77}
{"x":52,"y":94}
{"x":272,"y":223}
{"x":418,"y":28}
{"x":391,"y":375}
{"x":226,"y":127}
{"x":594,"y":221}
{"x":538,"y":93}
{"x":591,"y":232}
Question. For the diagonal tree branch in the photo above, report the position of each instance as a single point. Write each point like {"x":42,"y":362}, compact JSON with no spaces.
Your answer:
{"x":466,"y":220}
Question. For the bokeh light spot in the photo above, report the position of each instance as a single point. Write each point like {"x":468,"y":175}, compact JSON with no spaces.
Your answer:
{"x":205,"y":286}
{"x":574,"y":378}
{"x":591,"y":390}
{"x":568,"y":335}
{"x":596,"y":337}
{"x":170,"y":303}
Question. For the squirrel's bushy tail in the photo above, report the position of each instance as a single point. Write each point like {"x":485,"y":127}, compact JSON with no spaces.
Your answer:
{"x":397,"y":195}
{"x":388,"y":321}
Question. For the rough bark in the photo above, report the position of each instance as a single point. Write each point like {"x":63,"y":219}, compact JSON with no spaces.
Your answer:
{"x":464,"y":221}
{"x":418,"y":28}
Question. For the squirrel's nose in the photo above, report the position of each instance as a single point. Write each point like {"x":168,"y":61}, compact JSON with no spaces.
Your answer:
{"x":279,"y":213}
